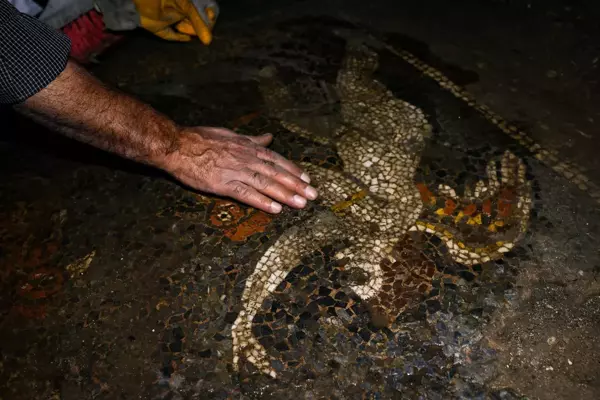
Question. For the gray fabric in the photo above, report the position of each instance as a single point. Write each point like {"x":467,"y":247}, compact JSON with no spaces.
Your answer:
{"x":28,"y":7}
{"x":59,"y":13}
{"x":119,"y":15}
{"x":201,"y":5}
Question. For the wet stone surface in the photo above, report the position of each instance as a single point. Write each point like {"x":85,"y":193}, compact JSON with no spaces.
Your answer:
{"x":118,"y":283}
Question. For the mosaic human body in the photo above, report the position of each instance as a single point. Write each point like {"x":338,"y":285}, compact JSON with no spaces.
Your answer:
{"x":374,"y":201}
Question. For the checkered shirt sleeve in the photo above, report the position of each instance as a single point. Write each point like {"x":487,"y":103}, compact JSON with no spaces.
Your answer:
{"x":31,"y":54}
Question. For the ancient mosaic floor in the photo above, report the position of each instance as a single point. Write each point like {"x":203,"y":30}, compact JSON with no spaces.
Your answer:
{"x":118,"y":283}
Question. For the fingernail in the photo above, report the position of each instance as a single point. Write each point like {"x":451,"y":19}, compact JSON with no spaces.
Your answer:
{"x":300,"y":201}
{"x":275,"y":207}
{"x":305,"y":177}
{"x":311,"y":192}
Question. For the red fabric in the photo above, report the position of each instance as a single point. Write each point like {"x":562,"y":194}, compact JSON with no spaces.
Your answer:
{"x":89,"y":37}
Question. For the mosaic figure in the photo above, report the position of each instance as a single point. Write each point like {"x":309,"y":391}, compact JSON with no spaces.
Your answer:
{"x":374,"y":201}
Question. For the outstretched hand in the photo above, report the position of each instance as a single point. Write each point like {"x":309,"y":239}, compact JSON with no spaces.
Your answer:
{"x":214,"y":160}
{"x":219,"y":161}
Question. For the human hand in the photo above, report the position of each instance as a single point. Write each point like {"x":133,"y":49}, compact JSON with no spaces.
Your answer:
{"x":219,"y":161}
{"x":214,"y":160}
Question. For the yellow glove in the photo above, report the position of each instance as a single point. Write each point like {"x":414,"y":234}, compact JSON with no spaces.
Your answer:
{"x":193,"y":18}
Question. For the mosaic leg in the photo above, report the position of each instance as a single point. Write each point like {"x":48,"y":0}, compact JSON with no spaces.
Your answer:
{"x":270,"y":271}
{"x":368,"y":106}
{"x":367,"y":254}
{"x":354,"y":79}
{"x":514,"y":192}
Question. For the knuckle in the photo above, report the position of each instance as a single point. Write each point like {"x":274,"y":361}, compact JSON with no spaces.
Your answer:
{"x":270,"y":168}
{"x":259,"y":180}
{"x":265,"y":154}
{"x":240,"y":191}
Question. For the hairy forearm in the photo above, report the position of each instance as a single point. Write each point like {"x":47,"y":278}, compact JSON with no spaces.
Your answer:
{"x":78,"y":105}
{"x":214,"y":160}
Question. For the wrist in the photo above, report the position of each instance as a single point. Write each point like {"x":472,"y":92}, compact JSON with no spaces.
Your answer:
{"x":163,"y":150}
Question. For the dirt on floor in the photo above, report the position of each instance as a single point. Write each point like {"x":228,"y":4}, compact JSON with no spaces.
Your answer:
{"x":119,"y":283}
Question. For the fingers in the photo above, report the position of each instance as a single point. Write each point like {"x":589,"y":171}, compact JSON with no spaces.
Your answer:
{"x":287,"y":179}
{"x":220,"y":161}
{"x":248,"y":195}
{"x":271,"y":156}
{"x":262,"y":140}
{"x":268,"y":155}
{"x":270,"y":187}
{"x":274,"y":180}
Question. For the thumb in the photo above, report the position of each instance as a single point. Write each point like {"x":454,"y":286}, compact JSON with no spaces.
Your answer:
{"x":262,"y":140}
